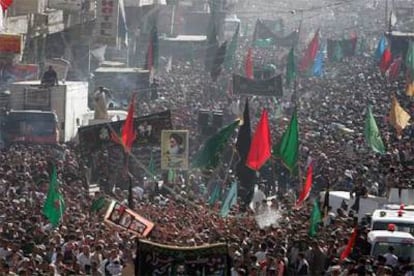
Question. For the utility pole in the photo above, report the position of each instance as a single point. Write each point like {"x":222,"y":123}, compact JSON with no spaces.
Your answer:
{"x":386,"y":14}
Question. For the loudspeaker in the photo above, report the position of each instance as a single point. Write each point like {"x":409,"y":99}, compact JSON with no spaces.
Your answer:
{"x":210,"y":121}
{"x":217,"y":119}
{"x":203,"y":118}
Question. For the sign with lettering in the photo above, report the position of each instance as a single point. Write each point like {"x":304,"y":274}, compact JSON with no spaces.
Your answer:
{"x":67,"y":5}
{"x":10,"y":44}
{"x":106,"y":21}
{"x":159,"y":259}
{"x":124,"y":218}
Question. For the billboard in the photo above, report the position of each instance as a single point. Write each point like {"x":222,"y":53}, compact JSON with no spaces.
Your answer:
{"x":67,"y":5}
{"x":10,"y":44}
{"x":106,"y":22}
{"x":174,"y":149}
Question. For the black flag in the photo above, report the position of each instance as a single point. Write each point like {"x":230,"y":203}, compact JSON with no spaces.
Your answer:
{"x":270,"y":87}
{"x":245,"y":174}
{"x":218,"y":61}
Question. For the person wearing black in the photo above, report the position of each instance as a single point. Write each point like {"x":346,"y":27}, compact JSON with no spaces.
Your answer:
{"x":50,"y":77}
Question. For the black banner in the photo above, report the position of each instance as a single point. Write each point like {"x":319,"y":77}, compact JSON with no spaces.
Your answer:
{"x":270,"y":87}
{"x":288,"y":41}
{"x":95,"y":137}
{"x":347,"y":47}
{"x":105,"y":158}
{"x":261,"y":31}
{"x":158,"y":259}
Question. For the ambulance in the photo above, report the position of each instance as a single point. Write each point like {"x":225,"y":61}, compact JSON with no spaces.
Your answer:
{"x":402,"y":218}
{"x":401,"y":242}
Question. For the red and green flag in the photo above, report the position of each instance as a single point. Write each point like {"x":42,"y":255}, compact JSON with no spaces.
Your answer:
{"x":310,"y":53}
{"x":306,"y":188}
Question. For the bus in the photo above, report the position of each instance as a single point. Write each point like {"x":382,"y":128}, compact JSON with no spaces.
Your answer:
{"x":30,"y":126}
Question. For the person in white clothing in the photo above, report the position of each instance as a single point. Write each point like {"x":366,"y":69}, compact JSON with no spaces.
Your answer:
{"x":390,"y":257}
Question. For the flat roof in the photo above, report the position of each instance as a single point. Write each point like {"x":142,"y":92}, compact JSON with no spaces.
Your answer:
{"x":37,"y":82}
{"x":186,"y":38}
{"x":376,"y":234}
{"x":120,"y":70}
{"x":397,"y":33}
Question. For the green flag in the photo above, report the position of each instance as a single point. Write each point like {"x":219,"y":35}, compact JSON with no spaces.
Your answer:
{"x":338,"y":54}
{"x":231,"y":49}
{"x":372,"y":135}
{"x":171,"y":176}
{"x":315,"y":219}
{"x":54,"y":205}
{"x":230,"y":200}
{"x":215,"y":195}
{"x":291,"y":67}
{"x":288,"y":149}
{"x":209,"y":155}
{"x":98,"y":204}
{"x":409,"y":59}
{"x":151,"y":167}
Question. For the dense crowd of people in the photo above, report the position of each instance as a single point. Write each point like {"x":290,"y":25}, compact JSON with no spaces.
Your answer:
{"x":331,"y":114}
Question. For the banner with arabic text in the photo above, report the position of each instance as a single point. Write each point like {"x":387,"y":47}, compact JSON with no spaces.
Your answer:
{"x":158,"y":259}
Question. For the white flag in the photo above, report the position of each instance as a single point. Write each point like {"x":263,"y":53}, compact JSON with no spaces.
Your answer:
{"x":393,"y":19}
{"x":1,"y":20}
{"x":99,"y":53}
{"x":169,"y":65}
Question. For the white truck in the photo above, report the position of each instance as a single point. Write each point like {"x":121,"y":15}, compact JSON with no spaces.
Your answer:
{"x":69,"y":101}
{"x":366,"y":205}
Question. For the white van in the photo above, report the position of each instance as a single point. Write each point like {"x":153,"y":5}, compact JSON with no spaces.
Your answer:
{"x":113,"y":115}
{"x":382,"y":240}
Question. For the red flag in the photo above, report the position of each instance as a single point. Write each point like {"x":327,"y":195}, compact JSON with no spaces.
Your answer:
{"x":350,"y":245}
{"x":5,"y":4}
{"x":310,"y":53}
{"x":248,"y":64}
{"x":354,"y":39}
{"x":386,"y":60}
{"x":261,"y":144}
{"x":128,"y":134}
{"x":394,"y":69}
{"x":306,"y":188}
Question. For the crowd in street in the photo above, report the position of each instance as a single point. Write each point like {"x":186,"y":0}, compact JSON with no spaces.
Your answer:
{"x":331,"y":114}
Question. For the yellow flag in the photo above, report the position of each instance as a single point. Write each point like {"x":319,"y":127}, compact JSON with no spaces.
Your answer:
{"x":398,"y":116}
{"x":410,"y":89}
